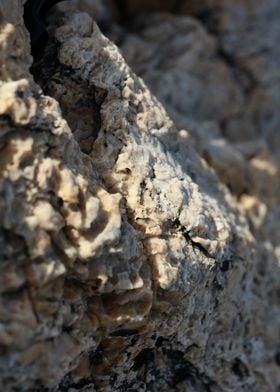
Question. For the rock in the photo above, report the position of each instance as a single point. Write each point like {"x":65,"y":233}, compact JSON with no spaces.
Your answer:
{"x":202,"y":62}
{"x":126,"y":263}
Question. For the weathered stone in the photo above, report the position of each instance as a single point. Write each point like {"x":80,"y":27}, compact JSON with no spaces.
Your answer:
{"x":126,"y":263}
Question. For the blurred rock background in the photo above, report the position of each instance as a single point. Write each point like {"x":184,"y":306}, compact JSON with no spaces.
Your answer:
{"x":140,"y":221}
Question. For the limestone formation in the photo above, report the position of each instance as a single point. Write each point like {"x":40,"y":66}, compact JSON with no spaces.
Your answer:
{"x":128,"y":262}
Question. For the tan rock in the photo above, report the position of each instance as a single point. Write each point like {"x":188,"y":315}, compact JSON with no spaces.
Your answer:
{"x":128,"y":264}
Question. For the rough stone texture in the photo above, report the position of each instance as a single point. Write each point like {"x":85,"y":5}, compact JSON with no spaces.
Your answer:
{"x":237,"y":102}
{"x":126,"y":264}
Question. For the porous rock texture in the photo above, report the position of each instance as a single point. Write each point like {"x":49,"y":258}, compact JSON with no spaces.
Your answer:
{"x":135,"y":255}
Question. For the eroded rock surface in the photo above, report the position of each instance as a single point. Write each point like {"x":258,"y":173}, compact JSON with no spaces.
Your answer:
{"x":126,"y":263}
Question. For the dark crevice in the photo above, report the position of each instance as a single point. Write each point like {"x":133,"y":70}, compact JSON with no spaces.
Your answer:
{"x":77,"y":98}
{"x":178,"y":370}
{"x":209,"y":18}
{"x":240,"y":369}
{"x":145,"y":356}
{"x":226,"y":265}
{"x":197,"y":245}
{"x":178,"y":227}
{"x":124,"y":332}
{"x":35,"y":15}
{"x":277,"y":358}
{"x":184,"y":371}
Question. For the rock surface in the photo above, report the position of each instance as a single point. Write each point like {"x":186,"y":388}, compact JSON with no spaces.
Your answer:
{"x":135,"y":255}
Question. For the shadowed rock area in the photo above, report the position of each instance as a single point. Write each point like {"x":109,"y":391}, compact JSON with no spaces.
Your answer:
{"x":139,"y":198}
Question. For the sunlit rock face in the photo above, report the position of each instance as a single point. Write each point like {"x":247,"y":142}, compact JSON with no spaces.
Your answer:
{"x":138,"y":238}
